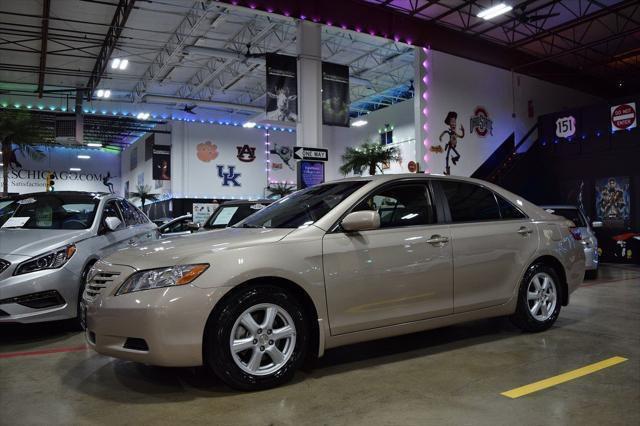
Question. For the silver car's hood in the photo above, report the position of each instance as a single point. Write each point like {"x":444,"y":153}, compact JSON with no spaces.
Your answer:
{"x":179,"y":249}
{"x":31,"y":242}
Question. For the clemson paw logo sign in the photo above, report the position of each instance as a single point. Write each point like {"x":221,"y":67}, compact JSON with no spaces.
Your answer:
{"x":207,"y":151}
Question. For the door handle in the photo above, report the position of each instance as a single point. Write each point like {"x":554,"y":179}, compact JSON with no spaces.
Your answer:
{"x":131,"y":242}
{"x":437,"y":240}
{"x":524,"y":231}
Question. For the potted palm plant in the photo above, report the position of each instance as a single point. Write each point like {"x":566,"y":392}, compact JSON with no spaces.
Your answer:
{"x":280,"y":189}
{"x":369,"y":156}
{"x":18,"y":136}
{"x":143,"y":193}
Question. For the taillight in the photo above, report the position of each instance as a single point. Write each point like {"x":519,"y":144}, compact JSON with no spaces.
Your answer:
{"x":575,"y":232}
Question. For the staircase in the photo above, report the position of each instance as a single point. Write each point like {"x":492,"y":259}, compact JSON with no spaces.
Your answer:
{"x":503,"y":159}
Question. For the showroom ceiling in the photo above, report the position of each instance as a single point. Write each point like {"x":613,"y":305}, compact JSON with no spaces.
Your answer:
{"x":180,"y":54}
{"x":599,"y":37}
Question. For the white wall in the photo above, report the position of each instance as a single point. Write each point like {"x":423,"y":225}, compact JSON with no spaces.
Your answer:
{"x":460,"y":85}
{"x":193,"y":176}
{"x":30,"y":176}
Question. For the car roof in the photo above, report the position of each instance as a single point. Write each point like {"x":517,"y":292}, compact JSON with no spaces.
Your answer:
{"x":243,"y":202}
{"x":31,"y":194}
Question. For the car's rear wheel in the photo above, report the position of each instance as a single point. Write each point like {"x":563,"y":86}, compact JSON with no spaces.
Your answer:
{"x":258,"y":339}
{"x":538,"y":299}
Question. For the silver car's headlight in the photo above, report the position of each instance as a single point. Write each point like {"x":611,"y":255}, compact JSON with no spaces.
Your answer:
{"x":162,"y":277}
{"x":52,"y":260}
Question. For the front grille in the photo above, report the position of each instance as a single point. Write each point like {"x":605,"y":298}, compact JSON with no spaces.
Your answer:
{"x":99,"y":281}
{"x":3,"y":265}
{"x":40,"y":300}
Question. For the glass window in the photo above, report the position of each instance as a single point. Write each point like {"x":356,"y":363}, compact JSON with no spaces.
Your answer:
{"x":469,"y":202}
{"x":131,"y":217}
{"x":302,"y":207}
{"x":53,"y":211}
{"x":568,"y":213}
{"x":111,"y":210}
{"x":178,"y":226}
{"x":401,"y":205}
{"x":508,"y":210}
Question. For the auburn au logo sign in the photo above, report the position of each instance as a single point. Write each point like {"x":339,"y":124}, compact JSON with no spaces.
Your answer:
{"x":246,"y":153}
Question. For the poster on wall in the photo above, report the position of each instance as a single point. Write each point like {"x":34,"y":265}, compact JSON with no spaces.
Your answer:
{"x":202,"y":211}
{"x":566,"y":126}
{"x":613,"y":201}
{"x":310,"y":173}
{"x":480,"y":123}
{"x":282,"y":88}
{"x":335,"y":94}
{"x":450,"y":136}
{"x":162,"y":162}
{"x":623,"y":117}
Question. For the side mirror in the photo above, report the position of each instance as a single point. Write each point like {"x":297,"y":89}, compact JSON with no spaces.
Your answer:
{"x":193,"y":226}
{"x":596,"y":224}
{"x":112,"y":223}
{"x":365,"y":220}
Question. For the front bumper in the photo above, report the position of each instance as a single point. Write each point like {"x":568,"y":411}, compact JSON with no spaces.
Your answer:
{"x":169,"y":321}
{"x":64,"y":281}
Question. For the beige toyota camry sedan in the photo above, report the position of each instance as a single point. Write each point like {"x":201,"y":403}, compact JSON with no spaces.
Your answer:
{"x":343,"y":262}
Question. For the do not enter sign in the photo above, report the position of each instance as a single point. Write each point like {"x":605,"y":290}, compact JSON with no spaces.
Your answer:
{"x":623,"y":116}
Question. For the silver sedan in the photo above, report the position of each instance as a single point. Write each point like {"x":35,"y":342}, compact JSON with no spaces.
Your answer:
{"x":48,"y":243}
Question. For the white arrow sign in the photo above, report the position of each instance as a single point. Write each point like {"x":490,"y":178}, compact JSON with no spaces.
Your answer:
{"x":317,"y":154}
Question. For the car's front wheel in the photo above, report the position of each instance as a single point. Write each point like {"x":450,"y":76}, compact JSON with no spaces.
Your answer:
{"x":258,"y":339}
{"x":538,"y":299}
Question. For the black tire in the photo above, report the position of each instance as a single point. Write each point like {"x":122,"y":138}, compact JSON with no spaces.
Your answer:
{"x":591,"y":274}
{"x":217,"y":351}
{"x":77,"y":323}
{"x":523,"y":318}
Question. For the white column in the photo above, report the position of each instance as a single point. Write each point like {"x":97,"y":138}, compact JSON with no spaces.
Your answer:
{"x":421,"y":85}
{"x":309,"y":127}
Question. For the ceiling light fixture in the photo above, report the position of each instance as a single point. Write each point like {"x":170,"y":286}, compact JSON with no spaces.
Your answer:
{"x":75,"y":169}
{"x":103,"y":93}
{"x":95,"y":145}
{"x":359,"y":123}
{"x":142,"y":116}
{"x":493,"y":11}
{"x":84,"y":157}
{"x":119,"y":64}
{"x":249,"y":125}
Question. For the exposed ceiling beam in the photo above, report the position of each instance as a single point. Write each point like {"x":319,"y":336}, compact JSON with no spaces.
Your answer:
{"x":111,"y":39}
{"x":46,"y":7}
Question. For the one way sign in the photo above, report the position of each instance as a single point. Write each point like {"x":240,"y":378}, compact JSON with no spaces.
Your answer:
{"x":316,"y":154}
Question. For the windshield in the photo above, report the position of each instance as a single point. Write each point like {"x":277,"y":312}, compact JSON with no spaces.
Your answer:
{"x":229,"y":215}
{"x":571,"y":214}
{"x":49,"y":211}
{"x":303,"y":207}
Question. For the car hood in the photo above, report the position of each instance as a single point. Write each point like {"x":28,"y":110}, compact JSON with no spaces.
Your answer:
{"x":31,"y":242}
{"x":175,"y":250}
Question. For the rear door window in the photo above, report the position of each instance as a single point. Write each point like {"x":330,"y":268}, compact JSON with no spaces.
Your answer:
{"x":469,"y":202}
{"x":407,"y":204}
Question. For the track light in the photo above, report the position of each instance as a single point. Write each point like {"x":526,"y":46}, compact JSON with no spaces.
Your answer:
{"x":101,"y":93}
{"x":142,"y":116}
{"x":249,"y":125}
{"x":359,"y":123}
{"x":493,"y":11}
{"x":119,"y":64}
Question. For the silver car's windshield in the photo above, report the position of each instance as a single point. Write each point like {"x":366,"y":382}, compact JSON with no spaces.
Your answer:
{"x":51,"y":211}
{"x":303,"y":207}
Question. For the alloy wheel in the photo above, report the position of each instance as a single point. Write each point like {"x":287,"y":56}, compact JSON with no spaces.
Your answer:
{"x":263,"y":339}
{"x":542,"y":296}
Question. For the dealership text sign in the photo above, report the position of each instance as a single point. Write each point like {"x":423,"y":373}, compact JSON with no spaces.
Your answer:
{"x":623,"y":117}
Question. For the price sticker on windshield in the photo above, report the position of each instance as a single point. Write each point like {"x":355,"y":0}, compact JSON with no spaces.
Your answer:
{"x":16,"y":222}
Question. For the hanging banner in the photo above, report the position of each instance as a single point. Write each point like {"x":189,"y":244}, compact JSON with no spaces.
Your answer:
{"x":282,"y":88}
{"x":335,"y":94}
{"x":161,"y":162}
{"x":623,"y":117}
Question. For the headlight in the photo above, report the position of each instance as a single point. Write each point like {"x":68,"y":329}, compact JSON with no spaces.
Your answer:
{"x":162,"y":277}
{"x":52,"y":260}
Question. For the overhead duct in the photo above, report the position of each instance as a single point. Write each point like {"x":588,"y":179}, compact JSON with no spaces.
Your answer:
{"x":225,"y":54}
{"x":201,"y":103}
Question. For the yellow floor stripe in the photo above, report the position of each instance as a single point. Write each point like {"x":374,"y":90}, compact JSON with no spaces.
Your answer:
{"x":561,"y":378}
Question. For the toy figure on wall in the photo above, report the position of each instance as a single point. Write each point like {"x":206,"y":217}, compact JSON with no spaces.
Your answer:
{"x":452,"y":131}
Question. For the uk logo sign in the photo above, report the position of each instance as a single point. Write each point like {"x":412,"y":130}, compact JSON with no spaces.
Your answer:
{"x":481,"y":123}
{"x":246,"y":153}
{"x":229,"y":178}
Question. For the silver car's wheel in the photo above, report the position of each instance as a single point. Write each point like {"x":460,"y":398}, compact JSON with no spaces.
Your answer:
{"x":262,"y":339}
{"x":542,"y":296}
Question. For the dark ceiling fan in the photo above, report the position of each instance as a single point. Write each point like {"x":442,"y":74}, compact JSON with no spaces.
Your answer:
{"x":524,"y":18}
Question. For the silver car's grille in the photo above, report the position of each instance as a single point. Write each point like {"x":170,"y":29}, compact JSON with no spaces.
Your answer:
{"x":3,"y":265}
{"x":99,"y":281}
